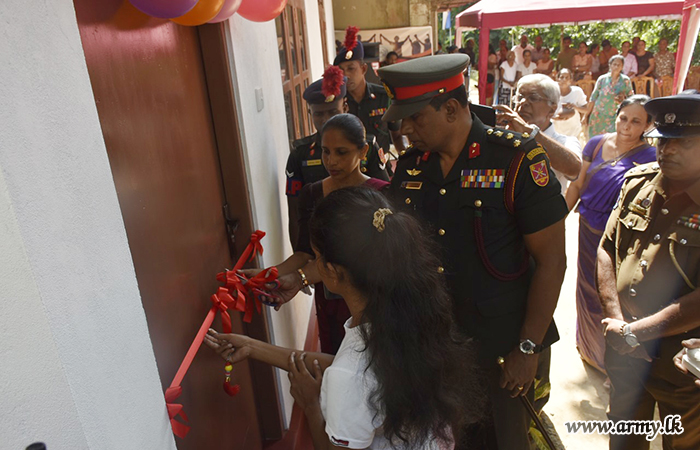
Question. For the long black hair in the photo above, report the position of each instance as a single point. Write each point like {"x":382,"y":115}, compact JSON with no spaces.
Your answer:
{"x":427,"y":381}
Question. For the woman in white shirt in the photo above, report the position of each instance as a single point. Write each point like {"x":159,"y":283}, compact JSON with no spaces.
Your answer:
{"x":509,"y":73}
{"x":527,"y":67}
{"x":403,"y":377}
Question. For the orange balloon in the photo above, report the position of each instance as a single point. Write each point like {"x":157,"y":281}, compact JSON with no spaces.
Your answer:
{"x":203,"y":12}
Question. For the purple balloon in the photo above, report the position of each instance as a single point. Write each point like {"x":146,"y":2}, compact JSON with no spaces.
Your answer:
{"x":164,"y":9}
{"x":230,"y":7}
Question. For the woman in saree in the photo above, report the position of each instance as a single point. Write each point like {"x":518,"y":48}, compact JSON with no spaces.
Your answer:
{"x":606,"y":158}
{"x":610,"y":90}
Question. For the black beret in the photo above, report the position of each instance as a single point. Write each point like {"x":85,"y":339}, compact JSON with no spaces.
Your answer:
{"x":675,"y":116}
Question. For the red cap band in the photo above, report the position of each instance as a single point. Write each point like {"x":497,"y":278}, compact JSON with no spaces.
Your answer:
{"x":406,"y":93}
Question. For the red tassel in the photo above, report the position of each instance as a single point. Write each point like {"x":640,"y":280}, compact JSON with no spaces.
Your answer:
{"x":351,"y":38}
{"x":230,"y":389}
{"x":332,"y":80}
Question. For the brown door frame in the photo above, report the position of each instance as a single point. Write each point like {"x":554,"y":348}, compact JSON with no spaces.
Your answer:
{"x":216,"y":58}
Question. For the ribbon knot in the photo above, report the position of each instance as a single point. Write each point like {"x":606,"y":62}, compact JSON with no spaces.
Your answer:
{"x":223,"y":301}
{"x":257,"y":282}
{"x":175,"y":409}
{"x":257,"y":246}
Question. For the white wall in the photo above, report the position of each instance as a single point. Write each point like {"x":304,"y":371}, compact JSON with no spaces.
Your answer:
{"x":255,"y":62}
{"x":77,"y":368}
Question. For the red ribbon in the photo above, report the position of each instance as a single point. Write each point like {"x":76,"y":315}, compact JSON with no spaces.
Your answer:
{"x":221,"y":301}
{"x":257,"y":282}
{"x":174,"y":409}
{"x":257,"y":246}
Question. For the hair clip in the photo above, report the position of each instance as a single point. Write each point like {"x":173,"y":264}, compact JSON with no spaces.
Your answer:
{"x":379,"y":216}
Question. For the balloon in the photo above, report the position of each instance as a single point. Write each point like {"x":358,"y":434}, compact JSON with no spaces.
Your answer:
{"x":164,"y":9}
{"x":229,"y":9}
{"x":203,"y":12}
{"x":261,"y":10}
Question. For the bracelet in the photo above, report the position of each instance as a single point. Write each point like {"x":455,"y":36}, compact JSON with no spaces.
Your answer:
{"x":304,"y":281}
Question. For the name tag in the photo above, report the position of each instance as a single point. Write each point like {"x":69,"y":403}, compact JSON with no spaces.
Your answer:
{"x":311,"y":162}
{"x":483,"y":178}
{"x":412,"y":185}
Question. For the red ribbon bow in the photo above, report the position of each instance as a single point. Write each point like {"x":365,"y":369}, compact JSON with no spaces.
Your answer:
{"x":175,"y":409}
{"x":257,"y":282}
{"x":223,"y":301}
{"x":257,"y":246}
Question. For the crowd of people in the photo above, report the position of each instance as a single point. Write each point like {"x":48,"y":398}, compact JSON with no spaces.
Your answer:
{"x":585,"y":62}
{"x":435,"y":283}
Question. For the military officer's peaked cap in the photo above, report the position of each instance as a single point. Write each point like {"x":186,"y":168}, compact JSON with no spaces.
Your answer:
{"x":352,"y":49}
{"x":328,"y":89}
{"x":676,"y":116}
{"x":411,"y":85}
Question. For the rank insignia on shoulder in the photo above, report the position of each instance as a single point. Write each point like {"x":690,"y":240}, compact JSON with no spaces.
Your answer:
{"x":535,"y":151}
{"x":413,"y":172}
{"x":692,"y":221}
{"x":483,"y":178}
{"x":498,"y":133}
{"x":540,"y":174}
{"x":510,"y":136}
{"x":412,"y":185}
{"x":489,"y":131}
{"x":516,"y":143}
{"x":311,"y":162}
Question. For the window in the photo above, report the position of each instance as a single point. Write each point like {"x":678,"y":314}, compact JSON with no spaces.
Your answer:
{"x":294,"y":67}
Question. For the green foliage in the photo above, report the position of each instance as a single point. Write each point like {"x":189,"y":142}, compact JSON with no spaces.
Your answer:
{"x":617,"y":32}
{"x":538,"y":438}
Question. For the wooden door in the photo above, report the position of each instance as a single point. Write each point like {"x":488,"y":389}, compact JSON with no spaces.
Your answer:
{"x":150,"y":87}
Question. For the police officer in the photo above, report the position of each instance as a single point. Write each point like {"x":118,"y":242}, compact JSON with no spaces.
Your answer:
{"x":497,"y":215}
{"x":367,"y":101}
{"x":648,"y":271}
{"x":325,"y":99}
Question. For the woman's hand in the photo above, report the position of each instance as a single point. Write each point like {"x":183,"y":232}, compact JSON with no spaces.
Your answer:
{"x":289,"y":286}
{"x":231,"y":347}
{"x":678,"y":359}
{"x":306,"y":387}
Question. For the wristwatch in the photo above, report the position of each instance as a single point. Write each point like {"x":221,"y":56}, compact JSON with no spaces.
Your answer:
{"x":529,"y":348}
{"x":535,"y":130}
{"x":630,"y":338}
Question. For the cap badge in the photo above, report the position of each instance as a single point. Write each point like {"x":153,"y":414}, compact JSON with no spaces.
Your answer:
{"x":348,"y":55}
{"x":670,"y":118}
{"x":330,"y":98}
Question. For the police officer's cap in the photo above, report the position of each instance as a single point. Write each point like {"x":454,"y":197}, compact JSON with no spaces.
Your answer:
{"x":328,"y":89}
{"x":676,"y":116}
{"x":411,"y":85}
{"x":352,"y":49}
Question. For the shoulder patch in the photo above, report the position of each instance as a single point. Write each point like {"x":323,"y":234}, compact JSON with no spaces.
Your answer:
{"x":643,"y":170}
{"x":536,"y":151}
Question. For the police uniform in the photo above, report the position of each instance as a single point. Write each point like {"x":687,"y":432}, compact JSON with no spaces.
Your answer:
{"x":654,"y":243}
{"x":304,"y":164}
{"x":374,"y":103}
{"x":500,"y":188}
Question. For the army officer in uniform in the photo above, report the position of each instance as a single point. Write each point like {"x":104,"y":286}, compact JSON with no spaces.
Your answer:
{"x":497,"y":216}
{"x":325,"y":99}
{"x":367,"y":101}
{"x":648,"y":273}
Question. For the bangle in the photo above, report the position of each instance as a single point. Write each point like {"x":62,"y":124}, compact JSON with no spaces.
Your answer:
{"x":304,"y":281}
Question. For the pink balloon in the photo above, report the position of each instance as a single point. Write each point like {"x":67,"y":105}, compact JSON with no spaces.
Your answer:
{"x":164,"y":9}
{"x":230,"y":7}
{"x":261,"y":10}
